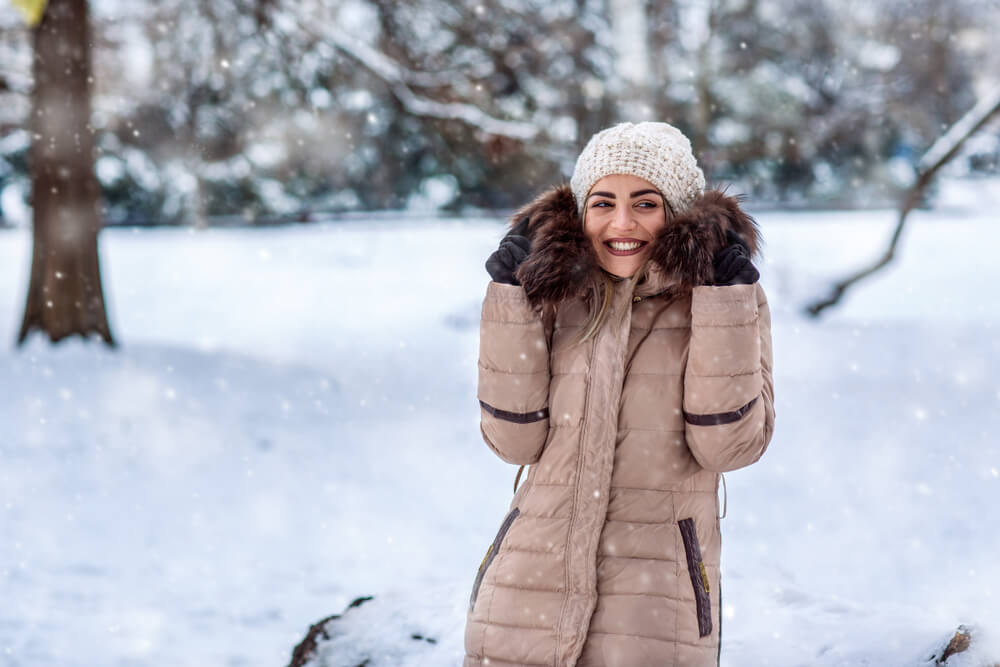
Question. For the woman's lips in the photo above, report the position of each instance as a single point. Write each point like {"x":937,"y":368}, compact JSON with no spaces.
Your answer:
{"x":624,"y":250}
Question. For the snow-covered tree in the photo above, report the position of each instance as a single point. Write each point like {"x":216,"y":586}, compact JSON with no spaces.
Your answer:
{"x":277,"y":109}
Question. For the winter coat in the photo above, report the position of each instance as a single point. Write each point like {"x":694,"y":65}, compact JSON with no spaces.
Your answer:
{"x":609,"y":555}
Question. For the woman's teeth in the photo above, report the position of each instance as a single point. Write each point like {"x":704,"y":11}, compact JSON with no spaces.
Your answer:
{"x":623,"y":248}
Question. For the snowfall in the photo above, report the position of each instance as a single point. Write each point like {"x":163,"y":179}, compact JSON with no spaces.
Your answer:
{"x":291,"y":422}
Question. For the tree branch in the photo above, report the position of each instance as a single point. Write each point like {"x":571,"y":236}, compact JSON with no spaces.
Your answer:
{"x":399,"y":79}
{"x":939,"y":154}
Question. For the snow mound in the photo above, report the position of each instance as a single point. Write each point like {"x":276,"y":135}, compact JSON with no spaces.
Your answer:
{"x":379,"y":631}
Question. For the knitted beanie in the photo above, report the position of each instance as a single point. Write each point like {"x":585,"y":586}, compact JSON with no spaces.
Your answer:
{"x":656,"y":152}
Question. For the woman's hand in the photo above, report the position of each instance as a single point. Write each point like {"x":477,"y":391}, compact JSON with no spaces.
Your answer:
{"x":732,"y":264}
{"x":514,"y":248}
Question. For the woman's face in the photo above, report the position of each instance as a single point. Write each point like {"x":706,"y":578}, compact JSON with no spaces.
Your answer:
{"x":621,"y":217}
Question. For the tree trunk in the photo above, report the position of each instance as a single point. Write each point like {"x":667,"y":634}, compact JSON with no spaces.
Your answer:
{"x":64,"y":293}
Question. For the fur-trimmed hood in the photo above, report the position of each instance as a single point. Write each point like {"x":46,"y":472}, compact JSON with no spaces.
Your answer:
{"x":563,"y":263}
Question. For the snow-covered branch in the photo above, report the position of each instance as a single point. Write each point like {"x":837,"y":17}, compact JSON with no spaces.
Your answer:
{"x":939,"y":154}
{"x":952,"y":140}
{"x":400,"y":79}
{"x":388,"y":67}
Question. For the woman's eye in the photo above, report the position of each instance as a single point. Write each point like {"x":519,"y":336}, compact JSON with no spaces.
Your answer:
{"x":601,"y":204}
{"x":646,"y":204}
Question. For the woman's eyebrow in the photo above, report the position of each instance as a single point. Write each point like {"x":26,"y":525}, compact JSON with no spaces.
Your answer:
{"x":610,"y":195}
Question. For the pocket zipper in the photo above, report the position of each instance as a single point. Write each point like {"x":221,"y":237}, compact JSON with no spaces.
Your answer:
{"x":491,"y":553}
{"x":698,"y":574}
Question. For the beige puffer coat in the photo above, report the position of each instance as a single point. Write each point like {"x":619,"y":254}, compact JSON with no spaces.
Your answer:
{"x":609,"y":555}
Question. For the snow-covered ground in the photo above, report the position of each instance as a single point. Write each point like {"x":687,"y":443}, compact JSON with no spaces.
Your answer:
{"x":291,"y":423}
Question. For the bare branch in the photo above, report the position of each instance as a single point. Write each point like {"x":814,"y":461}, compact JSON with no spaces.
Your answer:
{"x":938,"y":155}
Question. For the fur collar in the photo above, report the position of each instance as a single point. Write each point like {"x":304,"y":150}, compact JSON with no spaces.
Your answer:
{"x":563,"y":264}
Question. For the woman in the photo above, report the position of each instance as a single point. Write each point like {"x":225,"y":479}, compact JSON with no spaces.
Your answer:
{"x":625,"y":356}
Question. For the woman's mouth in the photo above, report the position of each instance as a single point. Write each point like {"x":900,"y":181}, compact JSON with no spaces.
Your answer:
{"x":622,"y":247}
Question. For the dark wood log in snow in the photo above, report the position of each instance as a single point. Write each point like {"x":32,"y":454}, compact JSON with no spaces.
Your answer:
{"x":64,"y":293}
{"x":959,"y":643}
{"x":381,"y":634}
{"x":940,"y":154}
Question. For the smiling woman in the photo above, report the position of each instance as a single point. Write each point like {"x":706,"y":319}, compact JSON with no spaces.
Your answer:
{"x":625,"y":356}
{"x":622,"y":216}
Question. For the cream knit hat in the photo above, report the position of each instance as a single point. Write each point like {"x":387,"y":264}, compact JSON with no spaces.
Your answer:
{"x":656,"y":152}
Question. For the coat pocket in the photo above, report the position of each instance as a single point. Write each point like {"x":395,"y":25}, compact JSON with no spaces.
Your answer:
{"x":699,"y":577}
{"x":491,"y":553}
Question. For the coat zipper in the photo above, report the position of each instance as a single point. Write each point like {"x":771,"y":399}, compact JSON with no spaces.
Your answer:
{"x":579,"y":472}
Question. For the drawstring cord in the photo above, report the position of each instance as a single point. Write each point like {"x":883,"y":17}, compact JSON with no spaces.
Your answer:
{"x":725,"y":496}
{"x":518,"y":478}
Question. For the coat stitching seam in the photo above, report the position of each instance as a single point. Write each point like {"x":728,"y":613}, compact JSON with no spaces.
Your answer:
{"x":663,"y":522}
{"x":727,"y":325}
{"x":662,"y":560}
{"x":543,"y":517}
{"x":647,"y":558}
{"x":679,"y":327}
{"x":493,"y":369}
{"x":642,"y":488}
{"x":528,"y":588}
{"x":659,"y":596}
{"x":668,"y":641}
{"x":537,"y":552}
{"x":515,"y":323}
{"x":660,"y":373}
{"x":519,"y":663}
{"x":651,"y":428}
{"x":725,"y":375}
{"x":567,"y":425}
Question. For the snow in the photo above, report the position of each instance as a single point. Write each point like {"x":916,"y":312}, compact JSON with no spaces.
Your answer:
{"x":434,"y":193}
{"x":877,"y":55}
{"x":291,"y":423}
{"x":14,"y":210}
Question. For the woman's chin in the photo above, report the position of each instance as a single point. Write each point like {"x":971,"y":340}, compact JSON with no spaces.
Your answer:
{"x":621,"y":269}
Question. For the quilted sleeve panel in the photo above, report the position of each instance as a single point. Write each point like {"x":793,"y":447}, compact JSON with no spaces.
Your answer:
{"x":514,"y":374}
{"x":728,"y":387}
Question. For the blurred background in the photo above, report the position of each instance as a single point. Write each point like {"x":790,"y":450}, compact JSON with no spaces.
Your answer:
{"x":255,"y":111}
{"x":276,"y":213}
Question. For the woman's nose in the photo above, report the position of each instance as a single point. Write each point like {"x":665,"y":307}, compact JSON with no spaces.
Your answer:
{"x":623,"y":219}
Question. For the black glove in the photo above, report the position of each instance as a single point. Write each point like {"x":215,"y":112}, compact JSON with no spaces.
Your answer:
{"x":732,"y":264}
{"x":514,"y":248}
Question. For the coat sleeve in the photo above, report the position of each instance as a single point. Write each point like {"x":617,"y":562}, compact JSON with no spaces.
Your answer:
{"x":728,"y":388}
{"x":514,"y":374}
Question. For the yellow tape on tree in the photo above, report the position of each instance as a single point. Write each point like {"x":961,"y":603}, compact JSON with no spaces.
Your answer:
{"x":31,"y":10}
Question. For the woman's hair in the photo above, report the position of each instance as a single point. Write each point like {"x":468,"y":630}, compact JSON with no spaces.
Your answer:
{"x":599,"y":298}
{"x":601,"y":290}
